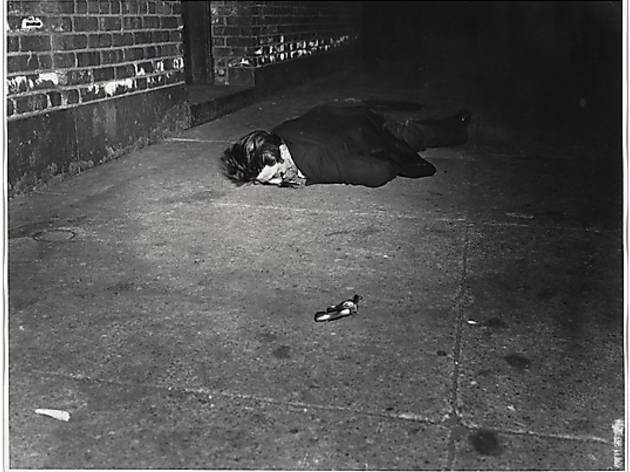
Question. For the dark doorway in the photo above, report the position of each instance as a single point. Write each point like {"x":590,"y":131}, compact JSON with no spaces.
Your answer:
{"x":197,"y":43}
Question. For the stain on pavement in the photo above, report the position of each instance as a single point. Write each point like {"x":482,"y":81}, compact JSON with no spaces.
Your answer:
{"x":518,"y":361}
{"x":485,"y":442}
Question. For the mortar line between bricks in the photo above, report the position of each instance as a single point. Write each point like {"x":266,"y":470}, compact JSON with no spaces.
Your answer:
{"x":98,"y":100}
{"x":457,"y":347}
{"x":102,"y":66}
{"x":76,"y":144}
{"x":408,"y":416}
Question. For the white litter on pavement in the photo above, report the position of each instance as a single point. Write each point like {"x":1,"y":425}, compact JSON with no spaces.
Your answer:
{"x":411,"y":416}
{"x":56,"y":414}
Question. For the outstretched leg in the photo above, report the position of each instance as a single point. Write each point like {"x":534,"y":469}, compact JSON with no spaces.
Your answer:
{"x":395,"y":106}
{"x":420,"y":134}
{"x":407,"y":160}
{"x":418,"y":126}
{"x":442,"y":131}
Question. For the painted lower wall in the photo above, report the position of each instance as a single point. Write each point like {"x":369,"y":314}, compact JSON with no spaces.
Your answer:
{"x":49,"y":146}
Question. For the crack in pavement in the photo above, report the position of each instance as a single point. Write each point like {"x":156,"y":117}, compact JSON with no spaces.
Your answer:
{"x":405,"y":416}
{"x":446,"y":421}
{"x":402,"y":216}
{"x":455,"y":418}
{"x":525,"y":432}
{"x":366,"y":214}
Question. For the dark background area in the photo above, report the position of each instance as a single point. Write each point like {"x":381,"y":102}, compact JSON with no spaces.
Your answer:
{"x":521,"y":67}
{"x":558,"y":60}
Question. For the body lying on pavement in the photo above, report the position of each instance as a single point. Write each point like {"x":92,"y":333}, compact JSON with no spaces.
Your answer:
{"x":351,"y":142}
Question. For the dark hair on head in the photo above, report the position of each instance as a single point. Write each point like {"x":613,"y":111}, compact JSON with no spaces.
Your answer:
{"x":243,"y":161}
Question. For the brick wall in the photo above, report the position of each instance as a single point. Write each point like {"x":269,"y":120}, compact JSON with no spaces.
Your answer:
{"x":65,"y":53}
{"x":250,"y":34}
{"x":90,"y":80}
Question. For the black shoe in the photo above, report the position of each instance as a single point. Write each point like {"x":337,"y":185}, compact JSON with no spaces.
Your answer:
{"x":418,"y":169}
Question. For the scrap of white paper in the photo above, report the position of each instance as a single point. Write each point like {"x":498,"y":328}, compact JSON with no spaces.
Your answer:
{"x":56,"y":414}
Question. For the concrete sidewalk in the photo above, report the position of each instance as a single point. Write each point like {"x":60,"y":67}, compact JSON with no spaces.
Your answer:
{"x":171,"y":313}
